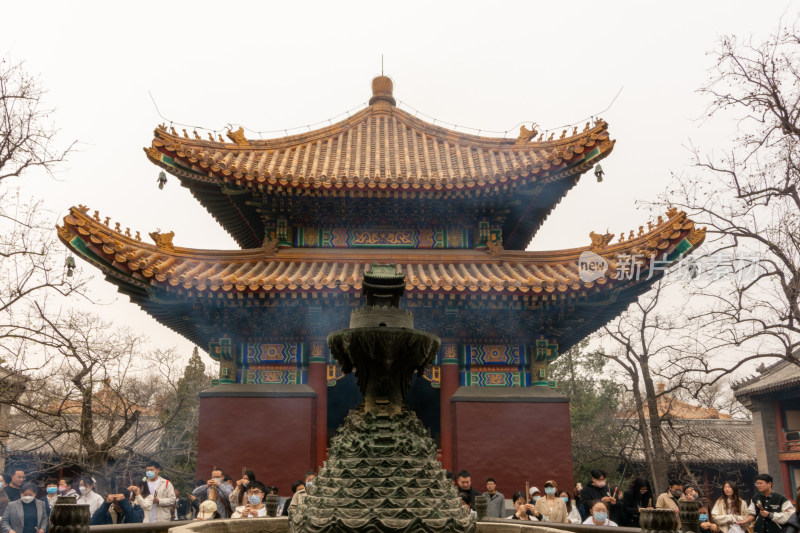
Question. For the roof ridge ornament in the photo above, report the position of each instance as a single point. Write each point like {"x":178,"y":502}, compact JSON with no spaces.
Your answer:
{"x":600,"y":242}
{"x":525,"y":135}
{"x":238,"y":137}
{"x":163,"y":240}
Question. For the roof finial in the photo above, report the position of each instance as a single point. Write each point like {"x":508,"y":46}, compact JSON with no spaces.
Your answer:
{"x":381,"y":64}
{"x":382,"y":89}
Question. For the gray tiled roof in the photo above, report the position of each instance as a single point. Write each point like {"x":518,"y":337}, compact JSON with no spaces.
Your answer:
{"x":40,"y":438}
{"x":707,"y":441}
{"x":779,"y":376}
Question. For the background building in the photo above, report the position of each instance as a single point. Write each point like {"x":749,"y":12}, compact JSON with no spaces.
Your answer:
{"x":704,"y":446}
{"x":773,"y":396}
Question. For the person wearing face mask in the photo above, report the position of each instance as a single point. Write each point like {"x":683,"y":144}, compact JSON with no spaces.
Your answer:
{"x":310,"y":477}
{"x":552,"y":508}
{"x":597,"y":489}
{"x":218,"y":488}
{"x":573,"y":515}
{"x":254,"y":506}
{"x":26,"y":515}
{"x":88,"y":495}
{"x":535,"y":497}
{"x":598,"y":515}
{"x":691,"y":493}
{"x":669,"y":499}
{"x":158,"y":495}
{"x":52,"y":493}
{"x":65,"y":488}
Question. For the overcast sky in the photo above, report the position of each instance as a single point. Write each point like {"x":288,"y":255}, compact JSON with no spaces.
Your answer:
{"x":273,"y":66}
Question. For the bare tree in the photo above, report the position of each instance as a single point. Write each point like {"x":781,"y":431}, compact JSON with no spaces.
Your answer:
{"x":33,"y":270}
{"x":27,"y":138}
{"x":748,"y":197}
{"x":669,"y":382}
{"x":94,"y":398}
{"x":636,"y":342}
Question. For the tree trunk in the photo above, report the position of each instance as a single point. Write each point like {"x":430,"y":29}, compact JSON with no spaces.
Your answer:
{"x":658,"y":467}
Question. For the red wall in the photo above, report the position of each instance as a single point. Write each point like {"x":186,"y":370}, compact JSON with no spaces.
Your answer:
{"x":272,"y":436}
{"x":513,"y":442}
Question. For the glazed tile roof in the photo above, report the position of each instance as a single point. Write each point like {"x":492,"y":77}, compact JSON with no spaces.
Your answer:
{"x":383,"y":149}
{"x":782,"y":375}
{"x":175,"y":284}
{"x":106,"y":401}
{"x":382,"y":152}
{"x":308,"y":269}
{"x":671,"y":407}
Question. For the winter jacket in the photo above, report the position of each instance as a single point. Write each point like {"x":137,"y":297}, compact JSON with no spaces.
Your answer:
{"x":591,"y":493}
{"x":165,"y":493}
{"x":223,"y":491}
{"x":793,"y":525}
{"x":495,"y":505}
{"x":724,"y":519}
{"x":780,"y":510}
{"x":131,"y":514}
{"x":631,"y":503}
{"x":556,"y":514}
{"x":14,"y":516}
{"x":3,"y":501}
{"x":92,"y":499}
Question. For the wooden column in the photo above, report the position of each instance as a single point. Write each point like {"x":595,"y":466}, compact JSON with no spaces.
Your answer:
{"x":318,"y":380}
{"x":448,"y":385}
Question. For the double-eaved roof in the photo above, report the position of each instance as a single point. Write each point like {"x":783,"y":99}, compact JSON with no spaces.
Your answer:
{"x":467,"y":207}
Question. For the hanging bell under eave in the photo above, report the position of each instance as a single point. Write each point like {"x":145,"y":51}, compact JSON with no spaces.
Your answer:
{"x":69,"y":264}
{"x":598,"y":172}
{"x":162,"y":180}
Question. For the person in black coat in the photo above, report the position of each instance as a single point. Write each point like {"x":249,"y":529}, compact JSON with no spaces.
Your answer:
{"x":598,"y":489}
{"x":793,"y":525}
{"x":126,"y":513}
{"x":181,"y":509}
{"x":639,"y":496}
{"x":464,"y":482}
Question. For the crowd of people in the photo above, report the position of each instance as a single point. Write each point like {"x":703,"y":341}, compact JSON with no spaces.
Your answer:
{"x":600,"y":504}
{"x":25,"y":507}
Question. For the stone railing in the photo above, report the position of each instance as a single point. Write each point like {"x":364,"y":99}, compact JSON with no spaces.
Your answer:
{"x":281,"y":525}
{"x":659,"y":522}
{"x":504,"y":525}
{"x":148,"y":527}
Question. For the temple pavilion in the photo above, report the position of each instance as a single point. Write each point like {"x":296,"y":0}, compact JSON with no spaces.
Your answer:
{"x":453,"y":212}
